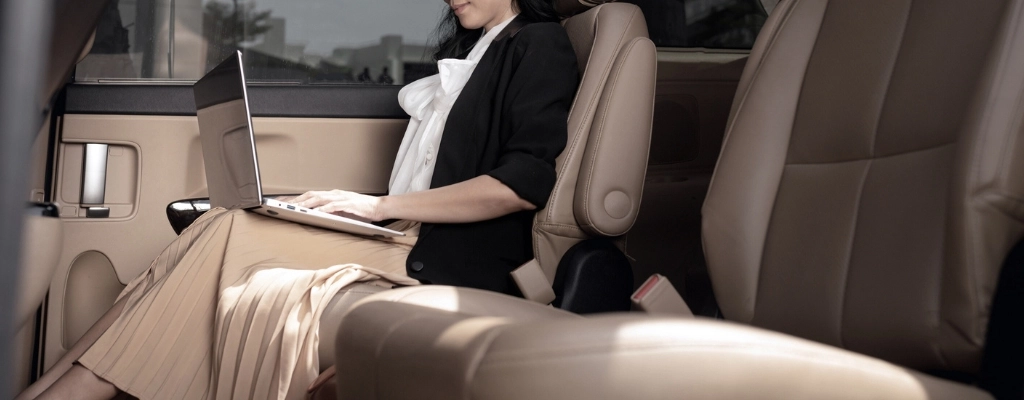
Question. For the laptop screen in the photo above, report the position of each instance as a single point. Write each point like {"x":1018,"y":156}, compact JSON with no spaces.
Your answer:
{"x":225,"y":130}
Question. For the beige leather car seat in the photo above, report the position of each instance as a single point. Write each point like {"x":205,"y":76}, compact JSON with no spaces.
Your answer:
{"x":601,"y":171}
{"x":870,"y":186}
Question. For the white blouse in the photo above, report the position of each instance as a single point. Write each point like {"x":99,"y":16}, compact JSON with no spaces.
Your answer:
{"x":428,"y":102}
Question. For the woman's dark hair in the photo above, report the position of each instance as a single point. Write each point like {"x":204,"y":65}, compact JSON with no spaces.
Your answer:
{"x":453,"y":40}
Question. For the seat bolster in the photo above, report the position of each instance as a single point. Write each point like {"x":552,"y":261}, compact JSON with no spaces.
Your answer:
{"x":769,"y":31}
{"x":741,"y":197}
{"x":423,"y":342}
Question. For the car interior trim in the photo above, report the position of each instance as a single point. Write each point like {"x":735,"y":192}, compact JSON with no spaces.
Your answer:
{"x":304,"y":101}
{"x":25,"y":30}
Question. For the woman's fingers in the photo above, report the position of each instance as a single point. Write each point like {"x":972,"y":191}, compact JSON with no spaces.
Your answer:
{"x":314,"y":199}
{"x":343,"y":207}
{"x":341,"y":202}
{"x":346,"y":211}
{"x":357,"y":205}
{"x":302,"y":197}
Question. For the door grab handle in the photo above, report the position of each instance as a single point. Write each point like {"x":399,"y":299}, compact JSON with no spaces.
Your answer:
{"x":94,"y":175}
{"x":94,"y":181}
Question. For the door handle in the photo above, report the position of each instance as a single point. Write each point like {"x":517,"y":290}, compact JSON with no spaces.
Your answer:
{"x":94,"y":181}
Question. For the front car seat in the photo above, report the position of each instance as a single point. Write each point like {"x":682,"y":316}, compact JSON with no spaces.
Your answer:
{"x":870,"y":186}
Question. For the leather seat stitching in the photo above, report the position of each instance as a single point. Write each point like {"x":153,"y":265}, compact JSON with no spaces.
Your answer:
{"x":888,"y":83}
{"x":563,"y":226}
{"x":900,"y":154}
{"x":849,"y":254}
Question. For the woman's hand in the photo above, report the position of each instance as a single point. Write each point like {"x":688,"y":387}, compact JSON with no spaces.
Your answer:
{"x":344,"y":203}
{"x":478,"y":199}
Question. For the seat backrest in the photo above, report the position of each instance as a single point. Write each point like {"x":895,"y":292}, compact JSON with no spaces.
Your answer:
{"x":871,"y":180}
{"x":602,"y":169}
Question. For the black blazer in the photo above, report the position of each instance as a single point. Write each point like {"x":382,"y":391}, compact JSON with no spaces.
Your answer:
{"x":509,"y":122}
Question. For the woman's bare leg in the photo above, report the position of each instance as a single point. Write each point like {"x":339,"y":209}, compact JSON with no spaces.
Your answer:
{"x":66,"y":362}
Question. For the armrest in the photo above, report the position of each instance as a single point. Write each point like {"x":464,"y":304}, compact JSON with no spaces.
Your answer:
{"x":409,"y":351}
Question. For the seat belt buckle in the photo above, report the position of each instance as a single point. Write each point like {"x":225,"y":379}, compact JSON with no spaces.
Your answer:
{"x":657,"y":296}
{"x":533,"y":283}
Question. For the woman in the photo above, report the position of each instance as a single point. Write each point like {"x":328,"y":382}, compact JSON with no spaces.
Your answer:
{"x":230,"y":309}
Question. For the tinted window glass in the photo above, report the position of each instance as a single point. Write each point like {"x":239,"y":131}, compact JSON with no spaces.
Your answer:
{"x":304,"y":41}
{"x":720,"y":24}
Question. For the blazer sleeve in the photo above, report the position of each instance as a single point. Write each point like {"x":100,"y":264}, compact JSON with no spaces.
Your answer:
{"x":536,"y":111}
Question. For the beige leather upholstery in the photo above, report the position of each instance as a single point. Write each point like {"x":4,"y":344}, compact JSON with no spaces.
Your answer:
{"x":41,"y":242}
{"x":871,"y":183}
{"x":455,"y":343}
{"x":435,"y":353}
{"x":601,"y":171}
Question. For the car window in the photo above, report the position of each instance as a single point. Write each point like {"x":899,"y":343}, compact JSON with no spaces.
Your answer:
{"x":305,"y":41}
{"x":373,"y":42}
{"x":713,"y":24}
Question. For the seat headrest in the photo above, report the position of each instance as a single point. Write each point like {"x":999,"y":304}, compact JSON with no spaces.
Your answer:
{"x":568,"y":8}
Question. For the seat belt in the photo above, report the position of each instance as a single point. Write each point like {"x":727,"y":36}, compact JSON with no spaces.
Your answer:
{"x":532,"y":282}
{"x":658,"y":296}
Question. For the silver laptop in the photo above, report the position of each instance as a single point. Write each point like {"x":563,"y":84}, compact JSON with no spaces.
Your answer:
{"x":229,"y":152}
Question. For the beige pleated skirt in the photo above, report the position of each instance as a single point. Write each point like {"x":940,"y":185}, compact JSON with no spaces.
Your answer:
{"x":230,"y":309}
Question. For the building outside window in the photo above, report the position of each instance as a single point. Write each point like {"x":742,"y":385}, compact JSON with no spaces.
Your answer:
{"x":379,"y":42}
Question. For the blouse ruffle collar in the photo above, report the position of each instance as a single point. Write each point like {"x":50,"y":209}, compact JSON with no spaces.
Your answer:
{"x":428,"y":102}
